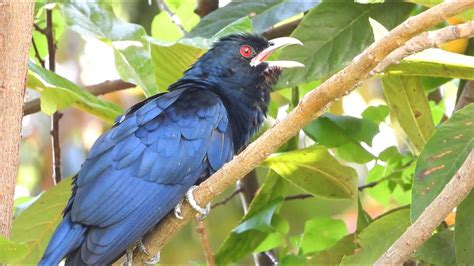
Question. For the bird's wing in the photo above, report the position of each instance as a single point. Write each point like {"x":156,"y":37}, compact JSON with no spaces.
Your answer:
{"x":155,"y":152}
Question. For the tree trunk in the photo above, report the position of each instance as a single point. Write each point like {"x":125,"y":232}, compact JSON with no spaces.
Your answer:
{"x":16,"y":23}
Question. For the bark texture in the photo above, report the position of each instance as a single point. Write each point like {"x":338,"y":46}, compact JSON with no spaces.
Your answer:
{"x":16,"y":23}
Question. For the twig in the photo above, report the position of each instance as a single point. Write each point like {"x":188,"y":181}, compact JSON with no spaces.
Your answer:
{"x":312,"y":106}
{"x":37,"y":55}
{"x":424,"y":41}
{"x":227,"y":199}
{"x":57,"y":115}
{"x":201,"y":229}
{"x":174,"y":17}
{"x":421,"y":230}
{"x":298,"y":197}
{"x":467,"y":95}
{"x":105,"y":87}
{"x":38,"y":29}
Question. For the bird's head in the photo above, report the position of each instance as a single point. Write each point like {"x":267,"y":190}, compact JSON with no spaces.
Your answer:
{"x":239,"y":62}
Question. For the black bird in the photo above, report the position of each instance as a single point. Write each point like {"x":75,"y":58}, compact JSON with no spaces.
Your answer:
{"x":140,"y":169}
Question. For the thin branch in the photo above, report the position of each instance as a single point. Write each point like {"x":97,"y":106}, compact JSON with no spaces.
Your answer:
{"x":298,"y":197}
{"x":311,"y":107}
{"x":201,"y":229}
{"x":105,"y":87}
{"x":467,"y":95}
{"x":424,"y":41}
{"x":421,"y":230}
{"x":227,"y":199}
{"x":40,"y":30}
{"x":57,"y":115}
{"x":174,"y":17}
{"x":37,"y":55}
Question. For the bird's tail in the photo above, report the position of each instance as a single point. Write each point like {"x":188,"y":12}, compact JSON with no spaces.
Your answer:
{"x":67,"y":237}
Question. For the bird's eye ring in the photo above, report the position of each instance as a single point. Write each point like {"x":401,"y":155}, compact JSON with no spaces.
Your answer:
{"x":246,"y":51}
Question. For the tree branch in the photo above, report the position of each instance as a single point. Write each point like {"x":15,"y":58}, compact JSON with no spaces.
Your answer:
{"x":105,"y":87}
{"x":312,"y":106}
{"x":16,"y":25}
{"x":424,"y":41}
{"x":421,"y":230}
{"x":201,"y":229}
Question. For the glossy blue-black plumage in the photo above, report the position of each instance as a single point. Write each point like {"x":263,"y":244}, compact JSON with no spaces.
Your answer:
{"x":139,"y":170}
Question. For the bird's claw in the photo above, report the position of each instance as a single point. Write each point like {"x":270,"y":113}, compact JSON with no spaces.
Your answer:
{"x":203,"y":212}
{"x":177,"y":210}
{"x":154,"y":260}
{"x":142,"y":248}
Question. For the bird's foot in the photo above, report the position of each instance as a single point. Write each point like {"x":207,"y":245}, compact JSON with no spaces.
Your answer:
{"x":154,"y":260}
{"x":128,"y":257}
{"x":142,"y":247}
{"x":203,"y":212}
{"x":177,"y":210}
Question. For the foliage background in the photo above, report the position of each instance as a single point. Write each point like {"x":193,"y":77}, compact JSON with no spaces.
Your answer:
{"x":380,"y":137}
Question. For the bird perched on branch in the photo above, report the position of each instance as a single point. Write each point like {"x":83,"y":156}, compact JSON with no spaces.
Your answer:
{"x":140,"y":169}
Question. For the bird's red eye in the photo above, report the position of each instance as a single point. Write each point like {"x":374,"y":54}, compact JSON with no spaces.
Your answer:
{"x":245,"y":51}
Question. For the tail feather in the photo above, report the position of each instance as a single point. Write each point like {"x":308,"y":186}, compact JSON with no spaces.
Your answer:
{"x":67,"y":237}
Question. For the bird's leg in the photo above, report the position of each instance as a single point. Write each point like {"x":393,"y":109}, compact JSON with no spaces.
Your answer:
{"x":142,"y":247}
{"x":154,"y":260}
{"x":128,"y":256}
{"x":177,"y":210}
{"x":203,"y":212}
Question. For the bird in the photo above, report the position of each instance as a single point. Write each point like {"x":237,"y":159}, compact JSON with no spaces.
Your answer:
{"x":161,"y":148}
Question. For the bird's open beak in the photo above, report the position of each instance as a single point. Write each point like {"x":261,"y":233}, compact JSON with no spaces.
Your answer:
{"x":276,"y":44}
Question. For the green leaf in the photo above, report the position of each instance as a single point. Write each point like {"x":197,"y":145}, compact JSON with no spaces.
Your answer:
{"x":334,"y":33}
{"x":264,"y":14}
{"x":437,"y":110}
{"x":334,"y":130}
{"x":363,"y":218}
{"x":334,"y":255}
{"x":315,"y":171}
{"x":408,"y":103}
{"x":163,"y":28}
{"x":434,"y":63}
{"x":464,"y":233}
{"x":376,"y":114}
{"x":374,"y":240}
{"x":58,"y":93}
{"x":34,"y":226}
{"x":345,"y":133}
{"x":438,"y":250}
{"x":241,"y":25}
{"x":11,"y":251}
{"x":322,"y":233}
{"x":180,"y":55}
{"x":259,"y":224}
{"x":442,"y":156}
{"x":132,"y":55}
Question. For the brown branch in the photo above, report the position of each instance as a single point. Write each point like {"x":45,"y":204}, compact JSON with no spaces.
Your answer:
{"x":16,"y":25}
{"x":227,"y":199}
{"x":57,"y":115}
{"x":204,"y":7}
{"x":421,"y":230}
{"x":37,"y":55}
{"x":311,"y":107}
{"x":426,"y":40}
{"x":174,"y":18}
{"x":201,"y":229}
{"x":105,"y":87}
{"x":39,"y":29}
